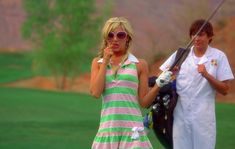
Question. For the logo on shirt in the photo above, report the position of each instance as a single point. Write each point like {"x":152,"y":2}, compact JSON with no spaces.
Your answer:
{"x":214,"y":62}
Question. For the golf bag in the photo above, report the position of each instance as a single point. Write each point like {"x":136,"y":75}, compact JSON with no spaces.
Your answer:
{"x":160,"y":117}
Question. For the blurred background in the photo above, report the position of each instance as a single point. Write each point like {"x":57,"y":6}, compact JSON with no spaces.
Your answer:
{"x":46,"y":49}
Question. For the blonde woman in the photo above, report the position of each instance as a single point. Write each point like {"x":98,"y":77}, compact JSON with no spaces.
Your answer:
{"x":121,"y":79}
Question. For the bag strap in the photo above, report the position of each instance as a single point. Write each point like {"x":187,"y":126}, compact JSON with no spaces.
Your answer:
{"x":181,"y":55}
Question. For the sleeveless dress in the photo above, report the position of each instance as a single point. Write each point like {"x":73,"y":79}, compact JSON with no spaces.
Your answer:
{"x":121,"y":122}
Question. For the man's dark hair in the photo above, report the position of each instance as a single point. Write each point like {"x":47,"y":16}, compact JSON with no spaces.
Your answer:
{"x":196,"y":25}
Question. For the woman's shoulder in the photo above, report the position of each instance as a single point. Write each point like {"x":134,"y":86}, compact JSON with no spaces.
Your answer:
{"x":142,"y":62}
{"x":136,"y":60}
{"x":142,"y":65}
{"x":96,"y":59}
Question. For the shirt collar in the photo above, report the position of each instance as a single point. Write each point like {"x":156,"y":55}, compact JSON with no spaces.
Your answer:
{"x":206,"y":56}
{"x":208,"y":53}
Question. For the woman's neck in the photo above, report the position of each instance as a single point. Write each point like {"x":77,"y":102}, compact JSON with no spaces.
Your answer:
{"x":118,"y":58}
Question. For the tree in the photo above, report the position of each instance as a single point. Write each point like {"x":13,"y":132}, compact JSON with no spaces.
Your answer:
{"x":63,"y":32}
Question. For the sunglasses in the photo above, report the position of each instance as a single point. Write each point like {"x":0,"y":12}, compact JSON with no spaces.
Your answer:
{"x":119,"y":35}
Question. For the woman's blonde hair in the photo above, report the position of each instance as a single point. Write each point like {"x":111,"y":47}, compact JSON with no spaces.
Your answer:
{"x":110,"y":25}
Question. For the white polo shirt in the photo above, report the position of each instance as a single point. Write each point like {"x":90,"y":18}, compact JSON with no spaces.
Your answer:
{"x":194,"y":115}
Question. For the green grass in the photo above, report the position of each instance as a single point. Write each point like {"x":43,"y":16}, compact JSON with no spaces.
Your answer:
{"x":18,"y":66}
{"x":53,"y":120}
{"x":225,"y":126}
{"x":15,"y":66}
{"x":40,"y":119}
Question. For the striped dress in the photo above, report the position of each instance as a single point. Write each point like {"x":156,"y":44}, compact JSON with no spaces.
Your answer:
{"x":121,"y":122}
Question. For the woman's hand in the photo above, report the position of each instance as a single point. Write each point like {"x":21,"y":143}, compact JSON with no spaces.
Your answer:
{"x":164,"y":78}
{"x":108,"y":52}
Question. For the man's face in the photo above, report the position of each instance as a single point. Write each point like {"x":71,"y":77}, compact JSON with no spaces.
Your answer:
{"x":201,"y":41}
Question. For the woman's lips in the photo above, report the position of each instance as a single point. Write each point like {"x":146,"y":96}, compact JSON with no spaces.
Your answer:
{"x":115,"y":46}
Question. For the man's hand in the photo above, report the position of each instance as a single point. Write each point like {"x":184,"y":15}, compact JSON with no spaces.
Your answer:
{"x":202,"y":69}
{"x":164,"y":78}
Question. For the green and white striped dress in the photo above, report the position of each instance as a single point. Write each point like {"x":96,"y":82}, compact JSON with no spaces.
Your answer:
{"x":121,"y":122}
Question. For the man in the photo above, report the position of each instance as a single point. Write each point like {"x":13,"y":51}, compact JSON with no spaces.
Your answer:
{"x":205,"y":71}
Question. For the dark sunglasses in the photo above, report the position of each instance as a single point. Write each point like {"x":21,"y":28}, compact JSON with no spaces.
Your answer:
{"x":119,"y":35}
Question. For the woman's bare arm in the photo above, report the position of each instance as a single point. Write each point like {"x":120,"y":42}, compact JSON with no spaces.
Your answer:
{"x":97,"y":81}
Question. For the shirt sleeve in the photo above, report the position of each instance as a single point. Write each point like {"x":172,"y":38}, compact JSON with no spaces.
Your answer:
{"x":224,"y":70}
{"x":167,"y":64}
